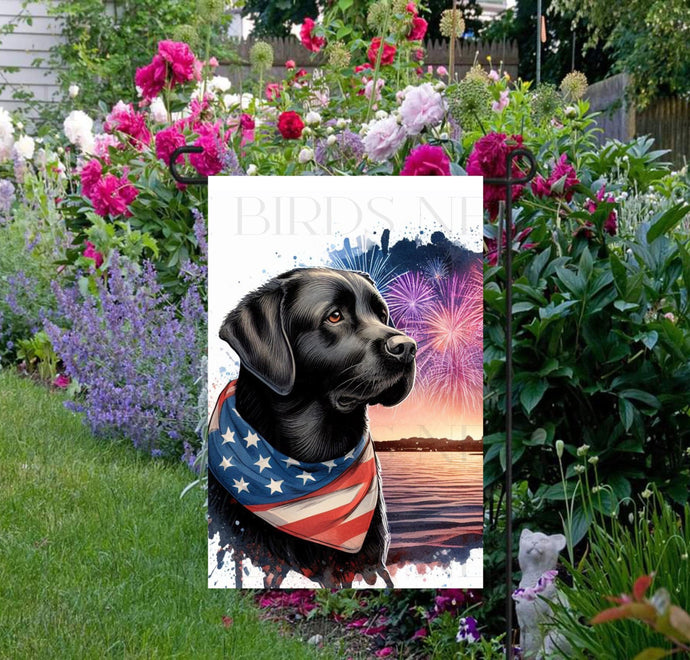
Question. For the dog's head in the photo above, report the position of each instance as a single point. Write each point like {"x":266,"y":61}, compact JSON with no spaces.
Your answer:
{"x":325,"y":331}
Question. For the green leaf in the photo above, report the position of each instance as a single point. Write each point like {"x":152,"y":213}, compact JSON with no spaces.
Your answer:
{"x":652,"y":653}
{"x":626,"y":410}
{"x":667,"y":221}
{"x":532,"y":393}
{"x":539,"y":437}
{"x":572,"y":282}
{"x":643,"y":397}
{"x":586,"y":264}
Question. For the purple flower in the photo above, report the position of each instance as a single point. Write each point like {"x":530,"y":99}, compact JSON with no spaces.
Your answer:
{"x":6,"y":197}
{"x":467,"y":630}
{"x":346,"y":147}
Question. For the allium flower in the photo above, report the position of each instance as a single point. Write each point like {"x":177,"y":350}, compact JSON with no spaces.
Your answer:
{"x":422,"y":107}
{"x":545,"y":101}
{"x":467,"y":630}
{"x":187,"y":33}
{"x":341,"y":149}
{"x":112,"y":196}
{"x":469,"y":102}
{"x":90,"y":252}
{"x":446,"y":23}
{"x":73,"y":91}
{"x":290,"y":125}
{"x":24,"y":147}
{"x":388,"y":55}
{"x":261,"y":56}
{"x":574,"y":86}
{"x":125,"y":119}
{"x":338,"y":55}
{"x":90,"y":175}
{"x":561,"y":183}
{"x":309,"y":40}
{"x":383,"y":139}
{"x":418,"y":29}
{"x":488,"y":159}
{"x":378,"y":15}
{"x":78,"y":126}
{"x":502,"y":103}
{"x":167,"y":141}
{"x":426,"y":160}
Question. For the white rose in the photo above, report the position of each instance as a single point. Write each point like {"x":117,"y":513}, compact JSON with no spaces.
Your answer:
{"x":158,"y":112}
{"x":252,"y":170}
{"x":73,"y":91}
{"x":313,"y":118}
{"x":24,"y":147}
{"x":305,"y":155}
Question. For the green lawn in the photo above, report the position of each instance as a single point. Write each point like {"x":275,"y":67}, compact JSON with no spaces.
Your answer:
{"x":99,"y":557}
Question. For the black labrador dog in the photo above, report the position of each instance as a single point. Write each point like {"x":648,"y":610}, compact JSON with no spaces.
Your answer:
{"x":315,"y":348}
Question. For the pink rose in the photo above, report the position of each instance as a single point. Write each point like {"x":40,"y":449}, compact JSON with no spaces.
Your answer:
{"x":426,"y":160}
{"x":90,"y":252}
{"x":309,"y":40}
{"x":167,"y":141}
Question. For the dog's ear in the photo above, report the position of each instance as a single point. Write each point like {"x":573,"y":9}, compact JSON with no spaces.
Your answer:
{"x":366,"y":276}
{"x":255,"y":331}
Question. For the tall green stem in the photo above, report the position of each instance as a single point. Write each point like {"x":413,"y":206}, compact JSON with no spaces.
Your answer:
{"x":379,"y":55}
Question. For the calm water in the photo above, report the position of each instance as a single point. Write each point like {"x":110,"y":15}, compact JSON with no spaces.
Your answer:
{"x":434,"y":499}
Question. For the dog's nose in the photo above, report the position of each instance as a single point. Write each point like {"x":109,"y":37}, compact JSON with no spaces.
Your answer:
{"x":402,"y":348}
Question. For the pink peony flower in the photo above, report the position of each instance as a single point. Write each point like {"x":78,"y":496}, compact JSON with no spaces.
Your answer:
{"x":369,"y":88}
{"x":309,"y":40}
{"x":384,"y":652}
{"x":167,"y":141}
{"x":90,"y":175}
{"x":125,"y":119}
{"x":290,"y":64}
{"x":362,"y":67}
{"x":112,"y":195}
{"x":411,"y":8}
{"x":561,"y":183}
{"x":383,"y":139}
{"x":90,"y":252}
{"x":273,"y":91}
{"x":210,"y":161}
{"x":418,"y":29}
{"x":213,"y":62}
{"x":418,"y":56}
{"x":611,"y":222}
{"x":488,"y":159}
{"x":422,"y":107}
{"x":420,"y":634}
{"x":62,"y":381}
{"x":491,"y":254}
{"x":247,"y":125}
{"x":502,"y":103}
{"x":388,"y":55}
{"x":102,"y":143}
{"x":442,"y":71}
{"x":174,"y":64}
{"x":290,"y":125}
{"x":426,"y":160}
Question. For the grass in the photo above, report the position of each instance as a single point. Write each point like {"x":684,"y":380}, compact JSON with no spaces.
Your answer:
{"x":99,"y":557}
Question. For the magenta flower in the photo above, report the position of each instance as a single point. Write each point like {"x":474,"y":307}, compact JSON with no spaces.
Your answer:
{"x":112,"y":196}
{"x":210,"y":161}
{"x":125,"y":119}
{"x":611,"y":222}
{"x":384,"y":652}
{"x":426,"y":160}
{"x":174,"y":64}
{"x":309,"y":40}
{"x":167,"y":141}
{"x":561,"y":183}
{"x":91,"y":253}
{"x":62,"y":381}
{"x":90,"y":175}
{"x":418,"y":29}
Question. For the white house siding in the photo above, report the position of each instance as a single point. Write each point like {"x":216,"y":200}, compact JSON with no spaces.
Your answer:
{"x":23,"y":47}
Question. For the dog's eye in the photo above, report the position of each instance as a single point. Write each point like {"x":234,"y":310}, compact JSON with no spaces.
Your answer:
{"x":335,"y":317}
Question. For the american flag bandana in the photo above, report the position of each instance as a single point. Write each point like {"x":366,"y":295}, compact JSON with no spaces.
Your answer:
{"x":331,"y":503}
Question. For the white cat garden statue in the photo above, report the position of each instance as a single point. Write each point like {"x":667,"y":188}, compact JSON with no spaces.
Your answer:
{"x":538,"y":557}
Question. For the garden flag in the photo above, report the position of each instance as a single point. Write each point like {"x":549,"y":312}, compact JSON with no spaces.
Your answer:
{"x":330,"y":503}
{"x":345,"y":381}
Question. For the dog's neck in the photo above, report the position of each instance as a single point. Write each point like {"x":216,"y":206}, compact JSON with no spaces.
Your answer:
{"x":305,"y":427}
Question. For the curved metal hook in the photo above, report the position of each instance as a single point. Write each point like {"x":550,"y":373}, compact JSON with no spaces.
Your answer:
{"x":191,"y":180}
{"x":510,"y":157}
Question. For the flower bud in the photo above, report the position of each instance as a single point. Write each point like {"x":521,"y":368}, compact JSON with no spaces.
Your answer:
{"x":305,"y":155}
{"x":252,"y":170}
{"x":331,"y":140}
{"x":73,"y":91}
{"x":560,"y":445}
{"x":313,"y":118}
{"x":582,"y":450}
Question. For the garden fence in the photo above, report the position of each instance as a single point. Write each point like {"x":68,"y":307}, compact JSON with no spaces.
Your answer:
{"x":666,"y":120}
{"x":289,"y":48}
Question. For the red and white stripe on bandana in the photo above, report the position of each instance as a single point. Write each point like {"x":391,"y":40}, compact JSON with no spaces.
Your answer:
{"x":330,"y":503}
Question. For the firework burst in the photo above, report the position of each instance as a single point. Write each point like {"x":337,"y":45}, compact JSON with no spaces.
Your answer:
{"x":436,"y":269}
{"x":372,"y":261}
{"x":410,"y":296}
